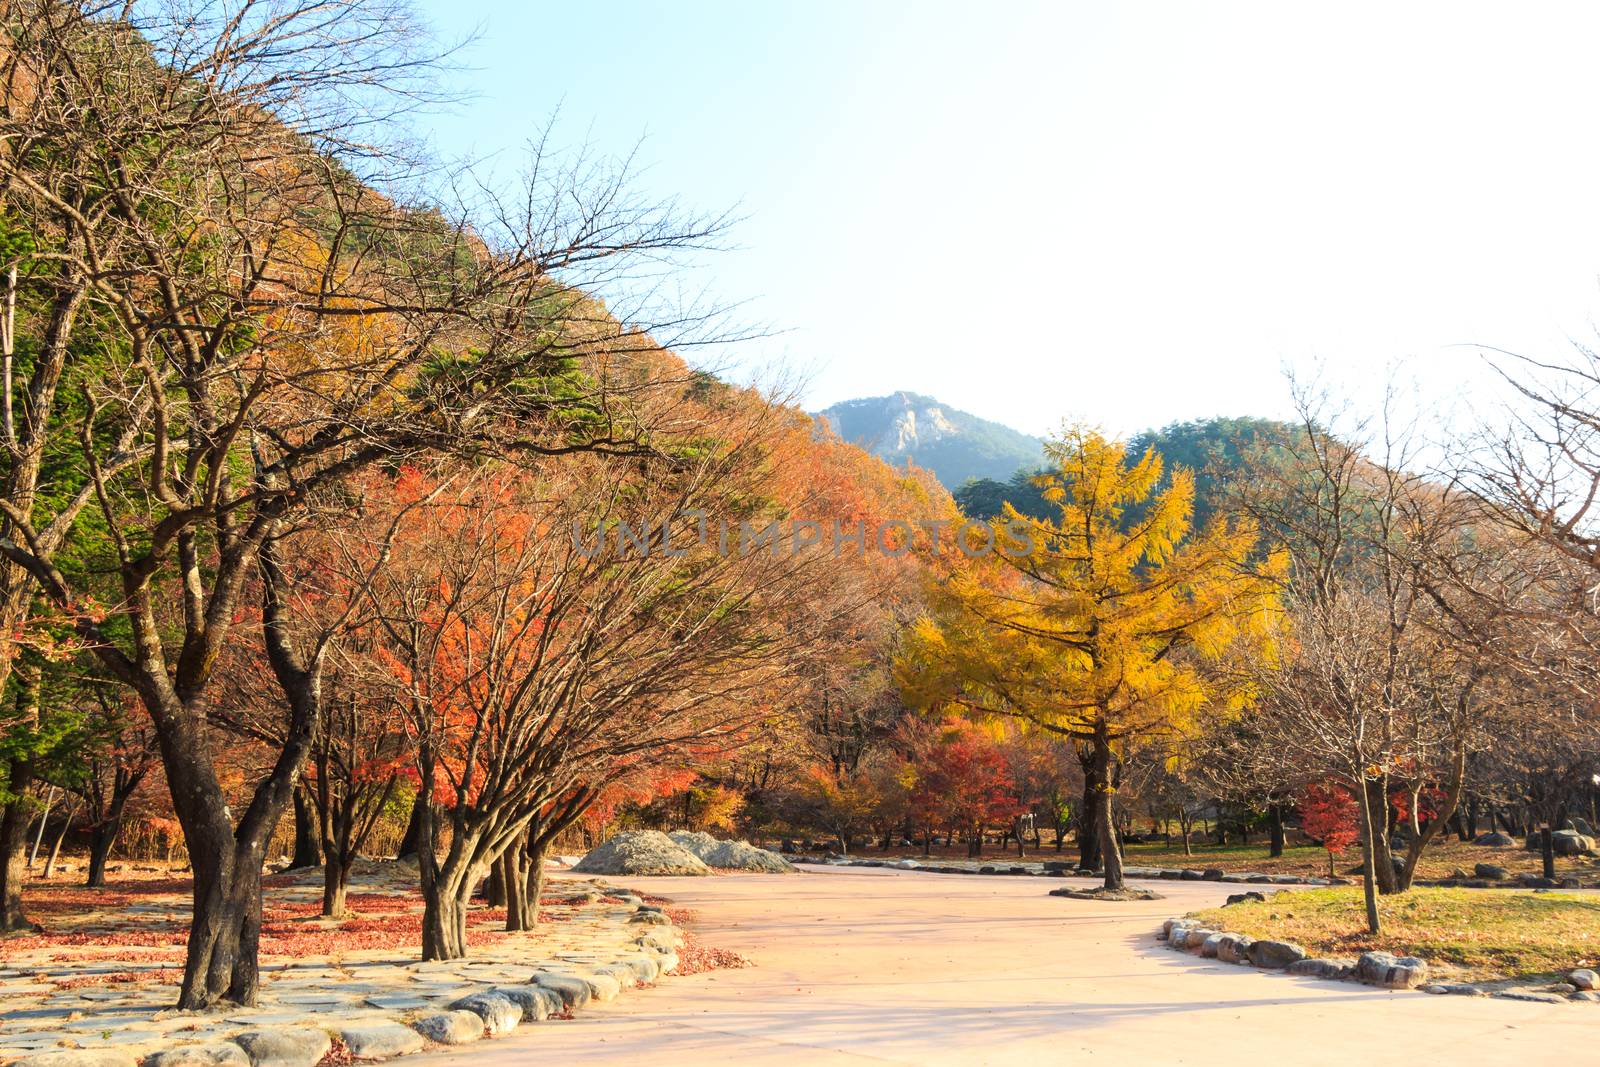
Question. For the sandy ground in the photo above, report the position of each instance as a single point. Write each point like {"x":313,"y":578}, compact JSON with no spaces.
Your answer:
{"x":859,"y":966}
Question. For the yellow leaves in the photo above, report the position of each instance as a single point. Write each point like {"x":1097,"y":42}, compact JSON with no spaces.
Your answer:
{"x":1108,"y":614}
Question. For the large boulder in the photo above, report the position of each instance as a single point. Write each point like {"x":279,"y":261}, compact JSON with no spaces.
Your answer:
{"x":641,"y":852}
{"x":742,"y":856}
{"x":500,"y":1014}
{"x":1495,"y":840}
{"x":450,"y":1027}
{"x":1322,"y":968}
{"x":285,"y":1047}
{"x":700,"y":843}
{"x":380,"y":1040}
{"x":1274,"y":955}
{"x":1391,"y":972}
{"x":216,"y":1054}
{"x":1234,"y":948}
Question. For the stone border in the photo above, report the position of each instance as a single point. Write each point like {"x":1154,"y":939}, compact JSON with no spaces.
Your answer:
{"x":492,"y":1011}
{"x":1064,"y":869}
{"x":1372,"y":968}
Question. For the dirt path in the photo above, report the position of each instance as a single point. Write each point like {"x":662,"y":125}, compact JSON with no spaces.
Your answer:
{"x":878,"y":966}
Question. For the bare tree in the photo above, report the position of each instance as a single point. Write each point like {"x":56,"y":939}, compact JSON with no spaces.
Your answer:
{"x":273,"y":325}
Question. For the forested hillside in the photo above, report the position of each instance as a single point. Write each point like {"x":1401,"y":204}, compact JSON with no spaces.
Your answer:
{"x":1214,"y":449}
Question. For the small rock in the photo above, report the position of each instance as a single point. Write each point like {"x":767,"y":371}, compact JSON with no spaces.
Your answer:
{"x":1196,"y":936}
{"x":1460,"y":989}
{"x":1489,"y":870}
{"x":1495,"y":840}
{"x":1583,"y":978}
{"x":1241,"y":898}
{"x":1274,"y":955}
{"x":286,"y":1047}
{"x":650,"y":917}
{"x":1208,"y":947}
{"x":1528,"y":994}
{"x":450,"y":1027}
{"x":1391,"y":972}
{"x":1585,"y":994}
{"x":380,"y":1040}
{"x":499,"y":1013}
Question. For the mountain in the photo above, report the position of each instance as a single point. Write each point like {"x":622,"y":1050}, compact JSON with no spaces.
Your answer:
{"x":954,"y":445}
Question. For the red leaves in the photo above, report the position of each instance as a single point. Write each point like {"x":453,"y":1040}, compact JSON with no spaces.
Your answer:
{"x":1328,"y":814}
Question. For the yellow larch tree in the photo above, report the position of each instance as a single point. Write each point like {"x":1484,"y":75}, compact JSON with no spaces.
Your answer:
{"x":1102,"y":624}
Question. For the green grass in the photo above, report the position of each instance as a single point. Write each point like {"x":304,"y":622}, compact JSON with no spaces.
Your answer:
{"x":1479,"y":933}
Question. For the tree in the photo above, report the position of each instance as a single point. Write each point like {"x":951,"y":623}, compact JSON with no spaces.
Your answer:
{"x":270,"y":326}
{"x":1328,"y":816}
{"x":1097,"y":625}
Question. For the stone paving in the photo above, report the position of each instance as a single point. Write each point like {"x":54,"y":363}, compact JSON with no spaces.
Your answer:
{"x":593,"y":941}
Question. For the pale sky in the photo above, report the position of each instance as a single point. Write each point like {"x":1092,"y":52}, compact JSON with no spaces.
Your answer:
{"x":1125,"y":213}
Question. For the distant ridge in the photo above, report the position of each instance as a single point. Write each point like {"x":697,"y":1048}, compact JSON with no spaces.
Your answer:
{"x":954,"y":445}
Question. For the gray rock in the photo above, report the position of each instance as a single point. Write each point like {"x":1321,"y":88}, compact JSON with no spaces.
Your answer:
{"x":641,"y":852}
{"x":743,"y":856}
{"x":1196,"y":936}
{"x":1583,"y":978}
{"x":1391,"y":972}
{"x":76,"y":1057}
{"x":1241,"y":898}
{"x":1274,"y":955}
{"x":1322,"y":968}
{"x":500,"y":1014}
{"x":645,"y":968}
{"x":1460,"y":989}
{"x":536,"y":1001}
{"x":1212,"y":874}
{"x":573,"y":991}
{"x":1170,"y":926}
{"x":1234,"y":948}
{"x":1488,"y":870}
{"x":219,"y":1054}
{"x":450,"y":1027}
{"x":299,"y":1046}
{"x":650,"y":918}
{"x":1529,"y":994}
{"x":1586,"y":994}
{"x":604,"y":987}
{"x":1495,"y":840}
{"x":380,"y":1040}
{"x":1562,"y":843}
{"x":1209,"y":947}
{"x":700,"y":843}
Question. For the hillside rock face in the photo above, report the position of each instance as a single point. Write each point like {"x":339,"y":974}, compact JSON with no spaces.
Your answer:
{"x":953,"y":444}
{"x":641,"y":852}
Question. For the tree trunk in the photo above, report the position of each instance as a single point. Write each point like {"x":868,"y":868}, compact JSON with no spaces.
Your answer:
{"x":1275,"y":828}
{"x":55,"y":848}
{"x":411,"y":841}
{"x":496,"y":893}
{"x":335,"y":885}
{"x":1547,"y":850}
{"x":1088,"y":829}
{"x":14,"y":822}
{"x":1016,"y":831}
{"x":307,"y":843}
{"x":444,"y":926}
{"x":1105,"y":824}
{"x":101,"y":838}
{"x":1368,"y":858}
{"x":1377,"y":796}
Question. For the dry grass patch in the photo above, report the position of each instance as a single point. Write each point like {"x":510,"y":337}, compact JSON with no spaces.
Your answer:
{"x":1483,"y":933}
